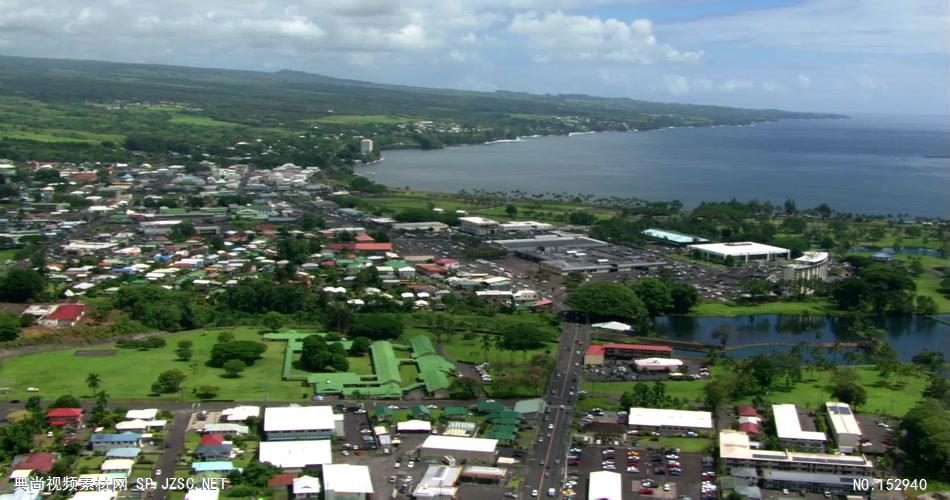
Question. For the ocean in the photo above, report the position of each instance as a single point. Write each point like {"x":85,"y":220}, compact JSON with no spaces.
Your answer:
{"x":864,"y":164}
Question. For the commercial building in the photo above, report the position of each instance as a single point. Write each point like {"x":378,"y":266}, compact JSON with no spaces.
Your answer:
{"x":547,"y":243}
{"x":594,"y":355}
{"x":465,"y":450}
{"x":347,"y":482}
{"x":438,"y":482}
{"x":653,"y":365}
{"x":735,"y":450}
{"x":295,"y":455}
{"x":811,"y":266}
{"x":844,"y":427}
{"x":810,"y":481}
{"x":479,"y":226}
{"x":669,"y":420}
{"x":789,"y":430}
{"x":672,"y":237}
{"x":636,"y":351}
{"x":604,"y":485}
{"x":301,"y":422}
{"x":366,"y":146}
{"x":527,"y":226}
{"x":433,"y":227}
{"x":740,"y":251}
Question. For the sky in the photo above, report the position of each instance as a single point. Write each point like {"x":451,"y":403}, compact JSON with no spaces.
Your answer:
{"x":851,"y":56}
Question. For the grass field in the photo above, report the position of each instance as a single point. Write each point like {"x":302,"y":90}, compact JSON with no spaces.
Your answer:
{"x":6,"y":255}
{"x":363,"y":119}
{"x":201,"y":121}
{"x":56,"y":135}
{"x":687,"y":445}
{"x":361,"y":365}
{"x":928,"y":283}
{"x":731,"y":309}
{"x":882,"y":399}
{"x":130,"y":373}
{"x":545,"y":211}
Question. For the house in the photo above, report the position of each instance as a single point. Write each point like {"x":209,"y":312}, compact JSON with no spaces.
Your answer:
{"x":61,"y":417}
{"x":213,"y":452}
{"x":283,"y":481}
{"x":102,"y":443}
{"x":240,"y":413}
{"x":226,"y":429}
{"x":65,"y":315}
{"x":221,"y":467}
{"x":118,"y":466}
{"x":345,"y":481}
{"x":38,"y":463}
{"x":132,"y":453}
{"x":296,"y":455}
{"x":306,"y":487}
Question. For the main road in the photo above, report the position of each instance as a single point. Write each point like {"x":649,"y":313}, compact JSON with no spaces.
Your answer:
{"x":546,"y":463}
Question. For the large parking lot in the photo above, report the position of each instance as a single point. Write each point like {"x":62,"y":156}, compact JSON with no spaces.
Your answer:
{"x":649,"y":476}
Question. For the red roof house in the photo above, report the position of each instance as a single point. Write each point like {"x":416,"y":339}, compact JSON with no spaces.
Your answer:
{"x":64,"y":416}
{"x":749,"y":427}
{"x":362,"y":247}
{"x":282,"y":480}
{"x":37,"y":462}
{"x":363,"y":238}
{"x":212,"y":439}
{"x":431,"y":269}
{"x":64,"y":315}
{"x":747,"y":411}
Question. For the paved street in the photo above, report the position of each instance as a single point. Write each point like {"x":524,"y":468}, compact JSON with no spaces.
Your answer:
{"x":561,"y":396}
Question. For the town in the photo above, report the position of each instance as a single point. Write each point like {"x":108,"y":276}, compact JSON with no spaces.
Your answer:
{"x":303,"y":347}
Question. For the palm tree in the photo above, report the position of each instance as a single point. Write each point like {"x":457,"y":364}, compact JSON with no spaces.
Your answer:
{"x":93,"y":381}
{"x":486,"y":344}
{"x":102,"y":399}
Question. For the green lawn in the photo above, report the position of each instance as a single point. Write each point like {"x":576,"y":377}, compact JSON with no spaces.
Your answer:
{"x":6,"y":255}
{"x":360,"y":365}
{"x":545,"y":211}
{"x":928,"y":283}
{"x":56,"y":135}
{"x":201,"y":121}
{"x":409,"y":373}
{"x":129,"y":374}
{"x":883,"y":399}
{"x":363,"y":119}
{"x":730,"y":309}
{"x":687,"y":445}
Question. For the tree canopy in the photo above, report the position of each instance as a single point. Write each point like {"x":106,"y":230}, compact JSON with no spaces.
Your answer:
{"x":246,"y":351}
{"x":318,"y":355}
{"x":609,"y":300}
{"x":376,"y":326}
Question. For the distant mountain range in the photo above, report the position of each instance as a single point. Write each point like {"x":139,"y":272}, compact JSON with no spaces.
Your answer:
{"x":286,"y":98}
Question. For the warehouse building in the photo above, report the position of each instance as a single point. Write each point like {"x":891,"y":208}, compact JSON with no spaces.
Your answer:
{"x":295,"y":455}
{"x":740,"y":251}
{"x":528,"y":226}
{"x":347,"y":482}
{"x":844,"y":427}
{"x":790,"y":433}
{"x":669,"y":420}
{"x":438,"y":483}
{"x":655,"y":365}
{"x":604,"y":485}
{"x":636,"y":351}
{"x":301,"y":422}
{"x":464,"y":450}
{"x":735,"y":450}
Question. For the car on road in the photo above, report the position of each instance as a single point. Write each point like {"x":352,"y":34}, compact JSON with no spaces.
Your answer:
{"x":667,"y":487}
{"x":396,"y":465}
{"x":410,"y":464}
{"x":645,"y":491}
{"x":534,"y":493}
{"x":158,"y":472}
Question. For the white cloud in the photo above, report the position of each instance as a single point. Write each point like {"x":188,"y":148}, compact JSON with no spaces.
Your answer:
{"x":770,"y":86}
{"x":559,"y":36}
{"x":736,"y":85}
{"x":804,"y":81}
{"x":864,"y":26}
{"x":674,"y":84}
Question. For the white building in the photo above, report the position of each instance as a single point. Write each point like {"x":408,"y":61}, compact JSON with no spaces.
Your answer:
{"x":527,"y":226}
{"x":789,"y":430}
{"x":301,"y":422}
{"x":295,"y":455}
{"x":740,"y":251}
{"x":479,"y":226}
{"x":366,"y":146}
{"x":472,"y":450}
{"x":604,"y":485}
{"x":735,"y":450}
{"x":844,"y":427}
{"x":671,"y":420}
{"x":811,"y":266}
{"x":240,"y":413}
{"x":652,"y":365}
{"x":438,"y":482}
{"x":347,"y":482}
{"x":306,"y":487}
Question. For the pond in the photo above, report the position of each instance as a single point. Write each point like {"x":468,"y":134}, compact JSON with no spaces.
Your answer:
{"x":765,"y":333}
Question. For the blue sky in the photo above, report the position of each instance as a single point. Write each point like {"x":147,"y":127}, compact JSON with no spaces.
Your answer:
{"x":852,"y":56}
